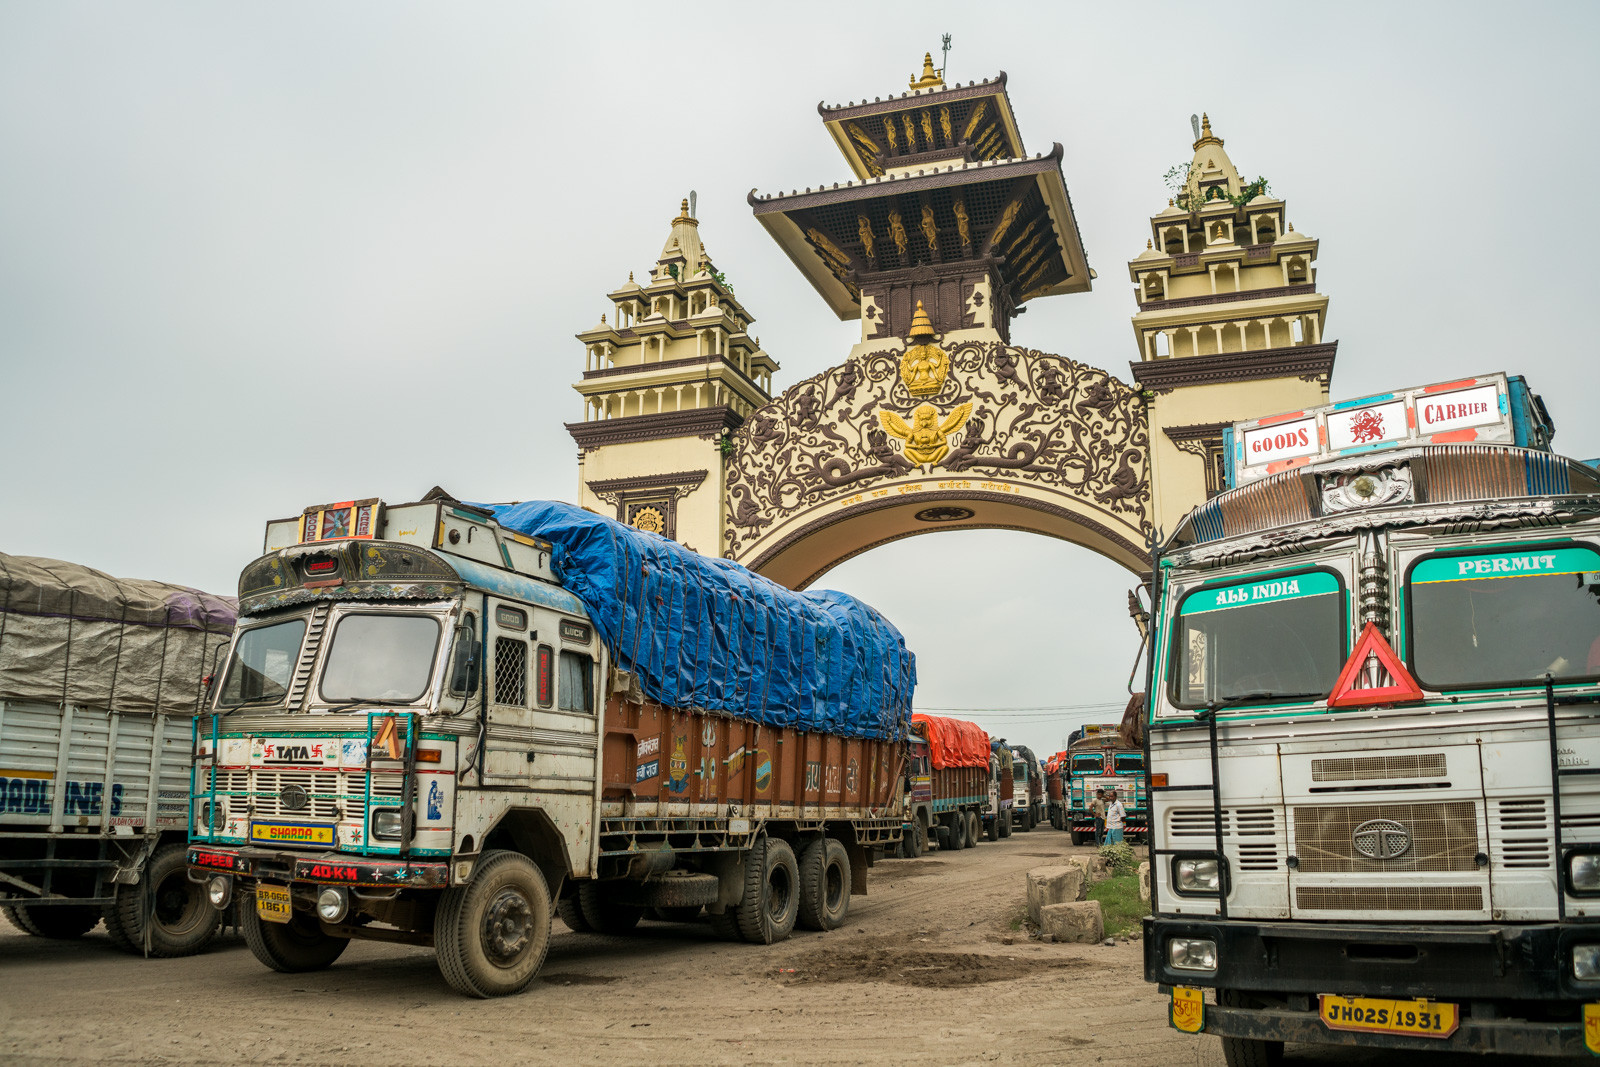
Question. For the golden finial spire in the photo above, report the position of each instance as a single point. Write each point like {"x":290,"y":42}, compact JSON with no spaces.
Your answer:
{"x":1149,"y":244}
{"x":1206,"y":136}
{"x":630,"y":275}
{"x":931,"y":79}
{"x":921,"y":325}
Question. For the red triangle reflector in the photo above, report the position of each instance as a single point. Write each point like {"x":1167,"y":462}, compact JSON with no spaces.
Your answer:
{"x":1359,"y":687}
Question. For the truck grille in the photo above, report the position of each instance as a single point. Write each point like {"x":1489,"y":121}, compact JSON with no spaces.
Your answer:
{"x":333,"y":795}
{"x":1522,"y":838}
{"x":1367,"y":768}
{"x":1389,"y":898}
{"x":1442,"y":837}
{"x":1252,"y":833}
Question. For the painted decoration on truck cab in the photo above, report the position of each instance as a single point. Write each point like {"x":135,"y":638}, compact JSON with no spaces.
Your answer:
{"x":678,"y":765}
{"x":763,"y":770}
{"x":1311,"y":583}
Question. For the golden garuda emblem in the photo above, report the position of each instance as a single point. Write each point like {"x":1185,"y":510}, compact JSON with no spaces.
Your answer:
{"x":927,"y":436}
{"x":924,"y":366}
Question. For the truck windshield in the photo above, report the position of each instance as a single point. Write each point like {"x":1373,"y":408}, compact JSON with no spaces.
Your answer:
{"x":1088,"y":764}
{"x":1130,"y":763}
{"x":380,"y":657}
{"x":1506,"y":618}
{"x":262,"y":664}
{"x":1275,"y":637}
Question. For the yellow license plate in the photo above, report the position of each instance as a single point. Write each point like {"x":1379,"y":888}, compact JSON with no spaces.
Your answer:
{"x":1414,"y":1018}
{"x":288,"y":833}
{"x":272,"y":903}
{"x":1188,"y":1012}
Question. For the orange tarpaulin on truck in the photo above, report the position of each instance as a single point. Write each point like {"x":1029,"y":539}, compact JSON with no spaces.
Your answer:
{"x":954,"y":742}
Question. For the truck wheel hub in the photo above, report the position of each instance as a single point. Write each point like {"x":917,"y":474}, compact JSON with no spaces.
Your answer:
{"x":505,"y":926}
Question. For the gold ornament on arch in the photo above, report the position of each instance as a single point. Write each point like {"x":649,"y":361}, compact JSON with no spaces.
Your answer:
{"x":925,"y":365}
{"x":927,"y":437}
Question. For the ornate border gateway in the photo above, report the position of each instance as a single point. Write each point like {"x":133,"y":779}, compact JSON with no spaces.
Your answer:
{"x":1012,"y":437}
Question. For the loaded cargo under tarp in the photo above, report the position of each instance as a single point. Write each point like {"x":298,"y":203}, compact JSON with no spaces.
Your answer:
{"x":73,"y":635}
{"x":954,"y":742}
{"x":706,"y":633}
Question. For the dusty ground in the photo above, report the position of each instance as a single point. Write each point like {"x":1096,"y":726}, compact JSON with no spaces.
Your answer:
{"x":928,"y":970}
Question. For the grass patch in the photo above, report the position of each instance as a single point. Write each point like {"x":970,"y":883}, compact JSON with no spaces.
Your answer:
{"x":1018,"y":917}
{"x":1120,"y":904}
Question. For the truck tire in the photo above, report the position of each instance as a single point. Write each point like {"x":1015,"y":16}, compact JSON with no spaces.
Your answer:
{"x":974,"y":829}
{"x":572,"y":914}
{"x":725,"y":924}
{"x":956,"y":824}
{"x":1004,"y":819}
{"x":112,"y":917}
{"x":1025,"y":820}
{"x":771,"y":892}
{"x":824,"y":885}
{"x":1077,"y":837}
{"x":603,"y":913}
{"x":991,"y":828}
{"x":61,"y":922}
{"x":1242,"y":1051}
{"x":916,"y":841}
{"x":291,"y":947}
{"x":491,"y":935}
{"x":181,"y":918}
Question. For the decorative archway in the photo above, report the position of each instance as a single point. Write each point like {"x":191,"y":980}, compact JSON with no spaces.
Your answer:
{"x":905,"y":440}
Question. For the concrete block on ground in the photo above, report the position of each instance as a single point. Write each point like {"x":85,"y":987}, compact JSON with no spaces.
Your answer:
{"x":1053,"y":885}
{"x":1144,"y":881}
{"x":1099,"y":869}
{"x":1076,"y":921}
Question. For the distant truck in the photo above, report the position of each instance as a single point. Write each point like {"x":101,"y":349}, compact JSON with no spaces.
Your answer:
{"x":1099,"y":760}
{"x":439,"y":723}
{"x":1027,"y":809}
{"x":100,"y":680}
{"x":1056,"y":791}
{"x":1002,"y":797}
{"x":958,"y":754}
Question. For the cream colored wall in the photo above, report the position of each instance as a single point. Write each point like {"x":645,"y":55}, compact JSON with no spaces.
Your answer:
{"x":1179,"y":477}
{"x":699,"y":523}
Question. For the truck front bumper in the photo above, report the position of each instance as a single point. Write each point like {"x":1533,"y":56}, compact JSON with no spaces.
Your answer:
{"x":329,"y":867}
{"x":1513,"y":984}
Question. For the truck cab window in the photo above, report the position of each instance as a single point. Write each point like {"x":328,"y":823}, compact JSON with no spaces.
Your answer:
{"x":1129,"y":762}
{"x":380,"y":657}
{"x":1507,"y":618}
{"x":1088,"y":764}
{"x":576,"y":687}
{"x":1271,"y":637}
{"x":263,"y":663}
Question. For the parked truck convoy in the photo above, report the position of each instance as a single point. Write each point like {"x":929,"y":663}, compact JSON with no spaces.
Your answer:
{"x":957,"y":785}
{"x":100,"y":681}
{"x":440,"y":722}
{"x":1002,"y":794}
{"x":1373,"y":735}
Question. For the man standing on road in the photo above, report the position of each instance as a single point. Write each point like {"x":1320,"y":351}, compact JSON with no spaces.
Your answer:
{"x":1114,"y":817}
{"x":1097,"y":809}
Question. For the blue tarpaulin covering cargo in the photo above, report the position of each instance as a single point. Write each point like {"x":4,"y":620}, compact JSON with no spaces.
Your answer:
{"x":707,"y":633}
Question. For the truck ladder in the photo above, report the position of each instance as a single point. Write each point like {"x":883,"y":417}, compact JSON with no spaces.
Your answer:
{"x":1214,"y":787}
{"x":1558,"y":772}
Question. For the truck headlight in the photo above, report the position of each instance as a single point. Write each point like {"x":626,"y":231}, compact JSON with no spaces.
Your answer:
{"x":1586,"y":962}
{"x":1196,"y":875}
{"x":333,"y":903}
{"x":1583,"y":872}
{"x":386,"y":824}
{"x":219,"y":890}
{"x":1192,"y":954}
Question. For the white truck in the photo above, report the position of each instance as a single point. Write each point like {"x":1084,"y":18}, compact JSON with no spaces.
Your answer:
{"x":100,"y":680}
{"x":1373,"y":736}
{"x":439,"y":722}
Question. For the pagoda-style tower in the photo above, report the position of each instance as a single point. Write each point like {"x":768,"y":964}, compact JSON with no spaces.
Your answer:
{"x":947,"y":209}
{"x":1230,"y":324}
{"x":672,"y":371}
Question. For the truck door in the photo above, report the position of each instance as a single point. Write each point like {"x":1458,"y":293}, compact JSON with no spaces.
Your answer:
{"x":542,"y":684}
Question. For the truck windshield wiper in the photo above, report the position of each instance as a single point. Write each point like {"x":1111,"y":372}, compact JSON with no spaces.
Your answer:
{"x":259,"y":702}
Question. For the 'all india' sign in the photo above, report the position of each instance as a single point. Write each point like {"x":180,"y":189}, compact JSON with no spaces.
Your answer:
{"x":1474,"y":409}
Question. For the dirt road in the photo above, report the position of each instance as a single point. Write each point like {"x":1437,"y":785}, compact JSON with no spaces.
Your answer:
{"x":928,"y":970}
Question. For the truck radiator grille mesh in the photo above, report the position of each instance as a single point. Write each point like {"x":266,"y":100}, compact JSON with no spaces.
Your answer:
{"x":511,"y":671}
{"x":1522,"y":834}
{"x":1366,"y":768}
{"x":333,"y":794}
{"x":1389,"y":898}
{"x":1440,"y":837}
{"x":1251,"y":834}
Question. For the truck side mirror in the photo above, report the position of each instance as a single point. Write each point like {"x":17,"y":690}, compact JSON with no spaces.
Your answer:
{"x":466,"y":664}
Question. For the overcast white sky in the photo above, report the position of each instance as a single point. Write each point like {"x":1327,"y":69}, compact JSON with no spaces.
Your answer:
{"x":258,"y":256}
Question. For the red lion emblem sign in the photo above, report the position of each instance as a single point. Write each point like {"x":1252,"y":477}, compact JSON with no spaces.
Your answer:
{"x":1366,"y":426}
